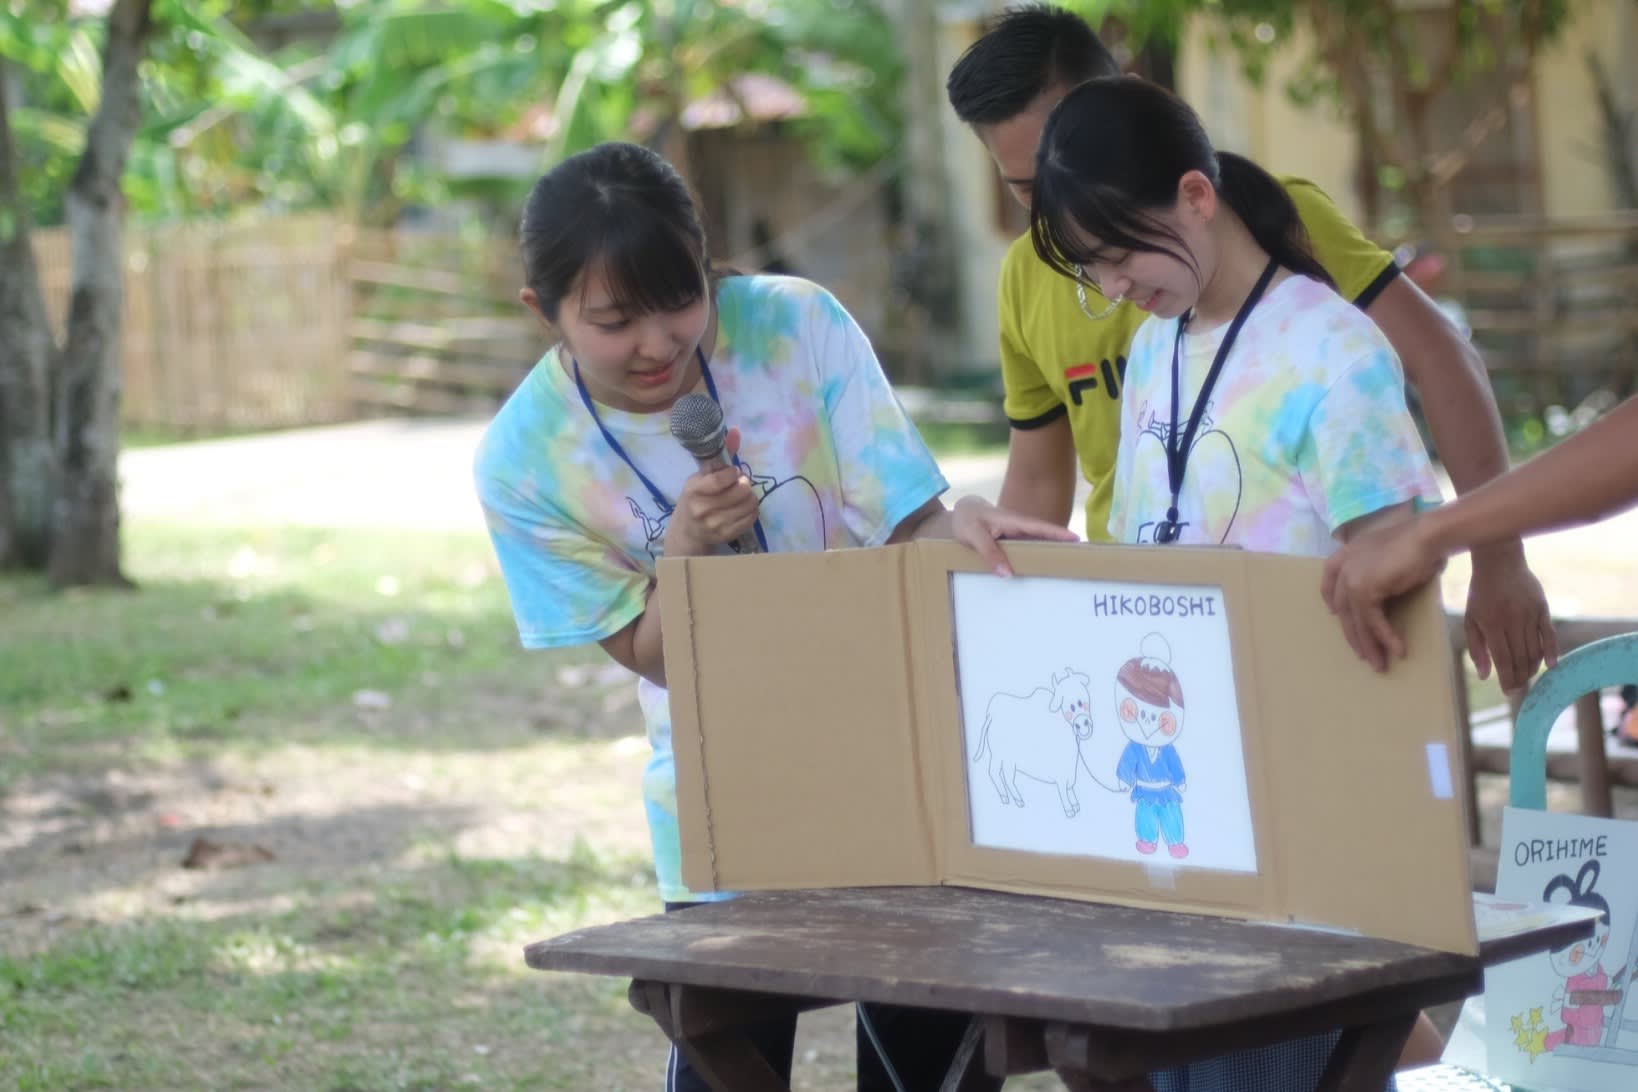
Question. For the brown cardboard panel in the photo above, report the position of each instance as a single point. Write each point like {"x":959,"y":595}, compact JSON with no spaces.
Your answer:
{"x":677,"y":644}
{"x":1372,"y":845}
{"x":833,"y":752}
{"x":1196,"y":890}
{"x":792,"y":721}
{"x":963,"y":862}
{"x":1144,"y":895}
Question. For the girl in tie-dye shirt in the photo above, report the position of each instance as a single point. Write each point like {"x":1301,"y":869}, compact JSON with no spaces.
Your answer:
{"x":1260,"y":409}
{"x":1302,"y":436}
{"x":584,"y":488}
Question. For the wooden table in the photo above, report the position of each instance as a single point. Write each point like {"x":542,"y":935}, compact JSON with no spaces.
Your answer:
{"x":1100,"y":994}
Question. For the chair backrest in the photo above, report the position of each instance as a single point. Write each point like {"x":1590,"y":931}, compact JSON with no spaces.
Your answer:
{"x":1610,"y":662}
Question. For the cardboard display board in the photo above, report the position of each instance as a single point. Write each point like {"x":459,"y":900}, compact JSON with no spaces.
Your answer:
{"x":1176,"y":728}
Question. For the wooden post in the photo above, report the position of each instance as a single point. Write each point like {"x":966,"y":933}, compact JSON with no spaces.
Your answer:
{"x":1589,"y":742}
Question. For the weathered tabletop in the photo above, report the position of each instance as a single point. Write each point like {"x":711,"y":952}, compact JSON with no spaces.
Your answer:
{"x":1100,"y":993}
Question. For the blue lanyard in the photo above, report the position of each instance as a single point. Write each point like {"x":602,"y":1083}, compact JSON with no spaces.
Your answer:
{"x":666,"y":507}
{"x":1180,"y":447}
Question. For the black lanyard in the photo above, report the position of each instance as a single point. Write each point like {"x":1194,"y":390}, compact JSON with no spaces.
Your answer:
{"x":1178,"y":447}
{"x":666,"y":506}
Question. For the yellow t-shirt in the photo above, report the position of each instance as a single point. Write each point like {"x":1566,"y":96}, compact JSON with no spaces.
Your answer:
{"x":1056,"y":360}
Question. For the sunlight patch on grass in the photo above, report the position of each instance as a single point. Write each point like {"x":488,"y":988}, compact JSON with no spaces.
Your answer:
{"x":261,"y":951}
{"x":233,"y":629}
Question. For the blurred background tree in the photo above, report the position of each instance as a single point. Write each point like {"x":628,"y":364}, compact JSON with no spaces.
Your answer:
{"x":1385,"y":65}
{"x":283,"y":105}
{"x":162,"y":111}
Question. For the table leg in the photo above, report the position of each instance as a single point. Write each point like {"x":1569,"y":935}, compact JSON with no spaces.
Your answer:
{"x":967,"y":1072}
{"x":1365,"y":1056}
{"x":708,"y":1027}
{"x":1013,"y":1046}
{"x":1082,"y":1061}
{"x":1078,"y":1081}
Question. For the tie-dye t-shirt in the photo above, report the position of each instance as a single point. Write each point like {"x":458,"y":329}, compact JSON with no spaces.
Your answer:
{"x":829,"y":449}
{"x":1306,"y":429}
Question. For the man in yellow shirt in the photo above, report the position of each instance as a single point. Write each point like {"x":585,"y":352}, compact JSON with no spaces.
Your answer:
{"x":1063,"y":346}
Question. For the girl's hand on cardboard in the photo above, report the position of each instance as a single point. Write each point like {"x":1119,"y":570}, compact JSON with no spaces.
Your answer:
{"x":981,"y":526}
{"x":716,"y":506}
{"x":1369,"y":570}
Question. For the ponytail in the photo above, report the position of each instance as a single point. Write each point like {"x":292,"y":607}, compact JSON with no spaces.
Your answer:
{"x":1269,"y":214}
{"x":1110,"y":158}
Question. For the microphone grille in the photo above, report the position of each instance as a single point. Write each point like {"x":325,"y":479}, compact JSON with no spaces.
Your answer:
{"x":696,"y":422}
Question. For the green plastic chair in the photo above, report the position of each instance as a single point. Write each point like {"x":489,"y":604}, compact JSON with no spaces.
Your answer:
{"x":1610,"y":662}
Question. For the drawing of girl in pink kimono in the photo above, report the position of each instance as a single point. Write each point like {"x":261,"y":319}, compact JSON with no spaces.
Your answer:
{"x":1581,"y":999}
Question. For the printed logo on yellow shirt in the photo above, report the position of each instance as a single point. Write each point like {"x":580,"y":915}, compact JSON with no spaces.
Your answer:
{"x":1102,"y":376}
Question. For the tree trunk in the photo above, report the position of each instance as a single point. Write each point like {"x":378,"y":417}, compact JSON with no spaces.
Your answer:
{"x":1615,"y":124}
{"x":936,"y":325}
{"x":85,"y":512}
{"x":1426,"y":199}
{"x":26,"y":352}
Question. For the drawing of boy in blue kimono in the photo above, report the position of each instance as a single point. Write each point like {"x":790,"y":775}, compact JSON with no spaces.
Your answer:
{"x":1149,"y":704}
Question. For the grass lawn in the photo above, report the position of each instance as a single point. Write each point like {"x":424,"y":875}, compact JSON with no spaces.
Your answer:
{"x":415,"y":798}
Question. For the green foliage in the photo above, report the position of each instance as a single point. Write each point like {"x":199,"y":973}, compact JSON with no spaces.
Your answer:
{"x":1144,"y":20}
{"x":326,"y":121}
{"x":1256,"y":28}
{"x":54,"y":61}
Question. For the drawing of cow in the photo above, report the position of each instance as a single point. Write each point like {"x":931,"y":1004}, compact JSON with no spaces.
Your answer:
{"x":1038,"y":736}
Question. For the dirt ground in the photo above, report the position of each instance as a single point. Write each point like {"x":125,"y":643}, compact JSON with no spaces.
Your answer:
{"x":104,"y":847}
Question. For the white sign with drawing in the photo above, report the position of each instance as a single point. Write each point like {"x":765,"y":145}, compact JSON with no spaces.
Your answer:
{"x":1101,"y":720}
{"x":1562,"y":1019}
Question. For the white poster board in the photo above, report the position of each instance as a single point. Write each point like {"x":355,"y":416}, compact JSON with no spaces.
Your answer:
{"x":1101,"y":720}
{"x":1565,"y":1019}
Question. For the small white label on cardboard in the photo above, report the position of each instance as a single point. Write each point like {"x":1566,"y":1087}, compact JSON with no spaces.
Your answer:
{"x":1439,"y":771}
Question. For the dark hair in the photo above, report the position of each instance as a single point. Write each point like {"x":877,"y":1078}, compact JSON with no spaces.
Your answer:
{"x":1024,"y":51}
{"x":625,"y":209}
{"x":1150,"y":685}
{"x":1581,"y":893}
{"x":1110,"y":159}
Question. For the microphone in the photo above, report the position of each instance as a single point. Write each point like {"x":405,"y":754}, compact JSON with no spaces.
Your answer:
{"x":696,"y":422}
